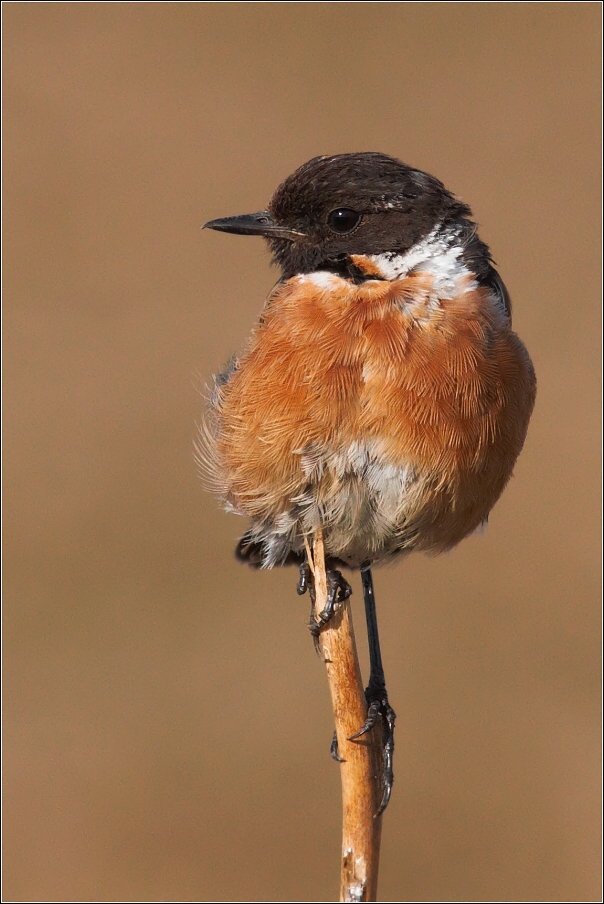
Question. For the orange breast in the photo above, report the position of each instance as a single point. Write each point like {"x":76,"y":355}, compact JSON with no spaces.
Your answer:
{"x":440,"y":387}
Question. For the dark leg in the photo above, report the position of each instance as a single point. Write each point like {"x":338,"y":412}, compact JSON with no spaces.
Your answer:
{"x":376,"y":694}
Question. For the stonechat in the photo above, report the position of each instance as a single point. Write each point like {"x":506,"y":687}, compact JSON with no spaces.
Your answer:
{"x":382,"y":397}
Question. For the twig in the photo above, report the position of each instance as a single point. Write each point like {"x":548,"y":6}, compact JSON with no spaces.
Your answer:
{"x":361,"y":768}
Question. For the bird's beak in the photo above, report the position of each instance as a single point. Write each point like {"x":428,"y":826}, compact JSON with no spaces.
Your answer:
{"x":254,"y":224}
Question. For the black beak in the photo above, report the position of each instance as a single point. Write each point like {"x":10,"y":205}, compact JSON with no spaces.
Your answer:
{"x":254,"y":224}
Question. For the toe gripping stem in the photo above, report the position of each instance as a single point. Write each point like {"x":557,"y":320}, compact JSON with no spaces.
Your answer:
{"x":338,"y":590}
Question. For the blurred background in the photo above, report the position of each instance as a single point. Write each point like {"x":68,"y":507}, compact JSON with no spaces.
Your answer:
{"x":167,"y":723}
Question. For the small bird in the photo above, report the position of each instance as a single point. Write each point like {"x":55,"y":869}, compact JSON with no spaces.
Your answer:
{"x":383,"y":396}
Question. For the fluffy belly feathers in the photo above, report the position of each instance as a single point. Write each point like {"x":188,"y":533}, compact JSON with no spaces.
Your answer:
{"x":383,"y":413}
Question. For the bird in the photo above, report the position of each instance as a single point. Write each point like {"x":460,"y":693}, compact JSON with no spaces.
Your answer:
{"x":382,"y":397}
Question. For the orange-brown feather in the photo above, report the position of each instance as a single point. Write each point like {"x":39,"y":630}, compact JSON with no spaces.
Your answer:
{"x":443,"y":386}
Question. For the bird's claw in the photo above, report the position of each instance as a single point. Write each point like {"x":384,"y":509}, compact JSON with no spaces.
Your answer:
{"x":338,"y":590}
{"x":305,"y":579}
{"x":378,"y":705}
{"x":333,"y":750}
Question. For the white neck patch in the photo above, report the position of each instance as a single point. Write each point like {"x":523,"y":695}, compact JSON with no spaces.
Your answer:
{"x":439,"y":253}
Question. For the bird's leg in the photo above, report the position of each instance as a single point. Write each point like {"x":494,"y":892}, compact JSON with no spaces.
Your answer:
{"x":376,"y":693}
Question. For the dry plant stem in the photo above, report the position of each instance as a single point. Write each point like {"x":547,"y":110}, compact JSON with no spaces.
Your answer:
{"x":361,"y":768}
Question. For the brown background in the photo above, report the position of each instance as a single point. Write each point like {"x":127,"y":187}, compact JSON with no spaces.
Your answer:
{"x":166,"y":721}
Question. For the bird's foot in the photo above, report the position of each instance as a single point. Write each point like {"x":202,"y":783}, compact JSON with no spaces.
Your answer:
{"x":338,"y":590}
{"x":378,"y":705}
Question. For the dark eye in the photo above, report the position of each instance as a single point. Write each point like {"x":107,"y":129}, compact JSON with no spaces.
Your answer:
{"x":343,"y":220}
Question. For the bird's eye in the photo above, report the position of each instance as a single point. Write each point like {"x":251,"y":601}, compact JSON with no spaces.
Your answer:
{"x":343,"y":220}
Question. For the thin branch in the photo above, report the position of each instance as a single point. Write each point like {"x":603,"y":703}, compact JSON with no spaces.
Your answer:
{"x":361,"y":768}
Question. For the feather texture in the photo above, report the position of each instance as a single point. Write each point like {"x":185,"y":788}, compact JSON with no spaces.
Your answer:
{"x":389,"y":413}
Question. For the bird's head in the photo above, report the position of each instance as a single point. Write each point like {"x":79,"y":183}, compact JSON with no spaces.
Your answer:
{"x":347,"y":204}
